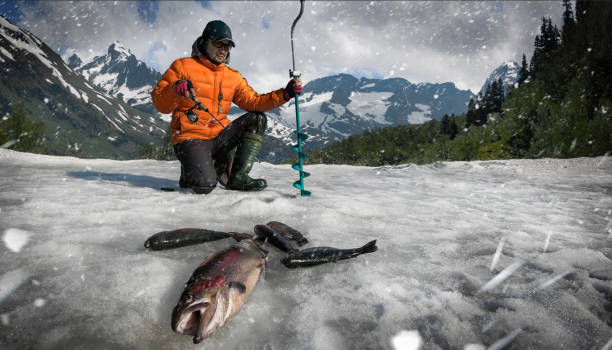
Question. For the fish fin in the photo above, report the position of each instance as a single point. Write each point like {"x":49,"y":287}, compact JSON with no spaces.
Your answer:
{"x":369,"y":247}
{"x":239,"y":236}
{"x":288,"y":232}
{"x":238,"y":286}
{"x":265,"y":252}
{"x":260,"y":232}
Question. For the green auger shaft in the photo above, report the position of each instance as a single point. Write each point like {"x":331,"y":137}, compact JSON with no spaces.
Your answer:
{"x":300,"y":136}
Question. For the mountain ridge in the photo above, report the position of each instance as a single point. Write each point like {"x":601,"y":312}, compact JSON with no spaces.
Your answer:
{"x":79,"y":119}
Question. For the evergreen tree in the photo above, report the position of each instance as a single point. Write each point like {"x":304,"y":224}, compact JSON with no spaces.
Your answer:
{"x":497,"y":97}
{"x":569,"y":23}
{"x":454,"y":130}
{"x":486,"y":103}
{"x":445,"y":125}
{"x":19,"y":133}
{"x":480,"y":115}
{"x":581,"y":10}
{"x":538,"y":50}
{"x":471,"y":113}
{"x":545,"y":45}
{"x":524,"y":72}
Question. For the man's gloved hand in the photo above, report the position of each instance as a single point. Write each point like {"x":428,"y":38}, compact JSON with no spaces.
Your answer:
{"x":183,"y":86}
{"x":293,"y":87}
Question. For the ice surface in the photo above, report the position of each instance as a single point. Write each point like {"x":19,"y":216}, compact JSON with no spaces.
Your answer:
{"x":500,"y":344}
{"x":608,"y":345}
{"x":498,"y":251}
{"x":500,"y":277}
{"x":438,"y":227}
{"x":15,"y":239}
{"x":407,"y":340}
{"x":10,"y":281}
{"x":474,"y":347}
{"x":554,"y":280}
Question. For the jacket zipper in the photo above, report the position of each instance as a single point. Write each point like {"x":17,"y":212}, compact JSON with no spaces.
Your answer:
{"x":220,"y":99}
{"x":213,"y":93}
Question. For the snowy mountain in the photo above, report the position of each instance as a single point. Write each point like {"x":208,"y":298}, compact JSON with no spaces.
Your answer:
{"x":334,"y":107}
{"x":77,"y":116}
{"x":512,"y":254}
{"x":331,"y":108}
{"x":119,"y":73}
{"x":508,"y":72}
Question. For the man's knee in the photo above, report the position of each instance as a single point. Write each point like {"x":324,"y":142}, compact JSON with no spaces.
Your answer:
{"x":258,"y":123}
{"x":201,"y":182}
{"x":202,"y":190}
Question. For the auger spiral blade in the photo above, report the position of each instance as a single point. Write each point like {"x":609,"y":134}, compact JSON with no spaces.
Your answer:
{"x":301,"y":136}
{"x":296,"y":166}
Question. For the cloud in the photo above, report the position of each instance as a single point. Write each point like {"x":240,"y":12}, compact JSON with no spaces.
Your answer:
{"x":461,"y":42}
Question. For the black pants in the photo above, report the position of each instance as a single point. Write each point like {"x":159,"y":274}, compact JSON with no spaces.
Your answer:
{"x":200,"y":159}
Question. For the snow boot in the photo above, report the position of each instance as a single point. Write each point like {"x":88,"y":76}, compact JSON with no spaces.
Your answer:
{"x":243,"y":162}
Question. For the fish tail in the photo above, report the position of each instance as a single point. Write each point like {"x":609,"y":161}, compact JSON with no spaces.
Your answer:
{"x":369,"y":247}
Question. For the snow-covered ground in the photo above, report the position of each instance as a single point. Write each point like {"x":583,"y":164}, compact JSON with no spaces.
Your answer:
{"x":501,"y":254}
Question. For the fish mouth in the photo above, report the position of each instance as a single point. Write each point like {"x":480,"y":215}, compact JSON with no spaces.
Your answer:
{"x":187,"y":320}
{"x":202,"y":318}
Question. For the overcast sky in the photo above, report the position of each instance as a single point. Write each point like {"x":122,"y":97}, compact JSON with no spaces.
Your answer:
{"x":460,"y":42}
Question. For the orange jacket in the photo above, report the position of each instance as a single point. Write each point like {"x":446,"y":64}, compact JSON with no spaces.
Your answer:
{"x":208,"y":80}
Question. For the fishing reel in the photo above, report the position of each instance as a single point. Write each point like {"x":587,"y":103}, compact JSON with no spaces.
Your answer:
{"x":191,"y":115}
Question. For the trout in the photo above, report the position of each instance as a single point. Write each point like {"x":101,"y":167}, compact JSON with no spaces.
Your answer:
{"x":188,"y":236}
{"x":217,"y":289}
{"x":321,"y":255}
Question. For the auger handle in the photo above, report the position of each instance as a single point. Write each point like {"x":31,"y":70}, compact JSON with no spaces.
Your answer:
{"x":292,"y":28}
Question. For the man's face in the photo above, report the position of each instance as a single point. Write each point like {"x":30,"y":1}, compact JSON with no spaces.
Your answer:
{"x":218,"y":50}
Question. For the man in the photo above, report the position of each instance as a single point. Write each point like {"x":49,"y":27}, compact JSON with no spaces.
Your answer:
{"x":204,"y":140}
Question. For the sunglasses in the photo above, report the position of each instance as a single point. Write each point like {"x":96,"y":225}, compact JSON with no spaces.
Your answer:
{"x":220,"y":44}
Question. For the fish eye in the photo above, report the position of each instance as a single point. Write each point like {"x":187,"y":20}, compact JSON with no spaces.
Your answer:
{"x":188,"y":298}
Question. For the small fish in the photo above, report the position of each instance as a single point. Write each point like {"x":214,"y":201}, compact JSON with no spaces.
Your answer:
{"x":268,"y":234}
{"x":188,"y":236}
{"x":322,"y":255}
{"x":217,"y":289}
{"x":289,"y":232}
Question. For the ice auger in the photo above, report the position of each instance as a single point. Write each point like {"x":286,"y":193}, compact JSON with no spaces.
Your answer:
{"x":300,"y":136}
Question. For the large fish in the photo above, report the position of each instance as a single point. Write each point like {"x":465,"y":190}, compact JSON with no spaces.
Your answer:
{"x":217,"y":289}
{"x":322,"y":255}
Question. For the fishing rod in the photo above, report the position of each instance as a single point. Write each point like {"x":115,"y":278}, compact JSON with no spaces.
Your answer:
{"x":300,"y":136}
{"x":193,"y":117}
